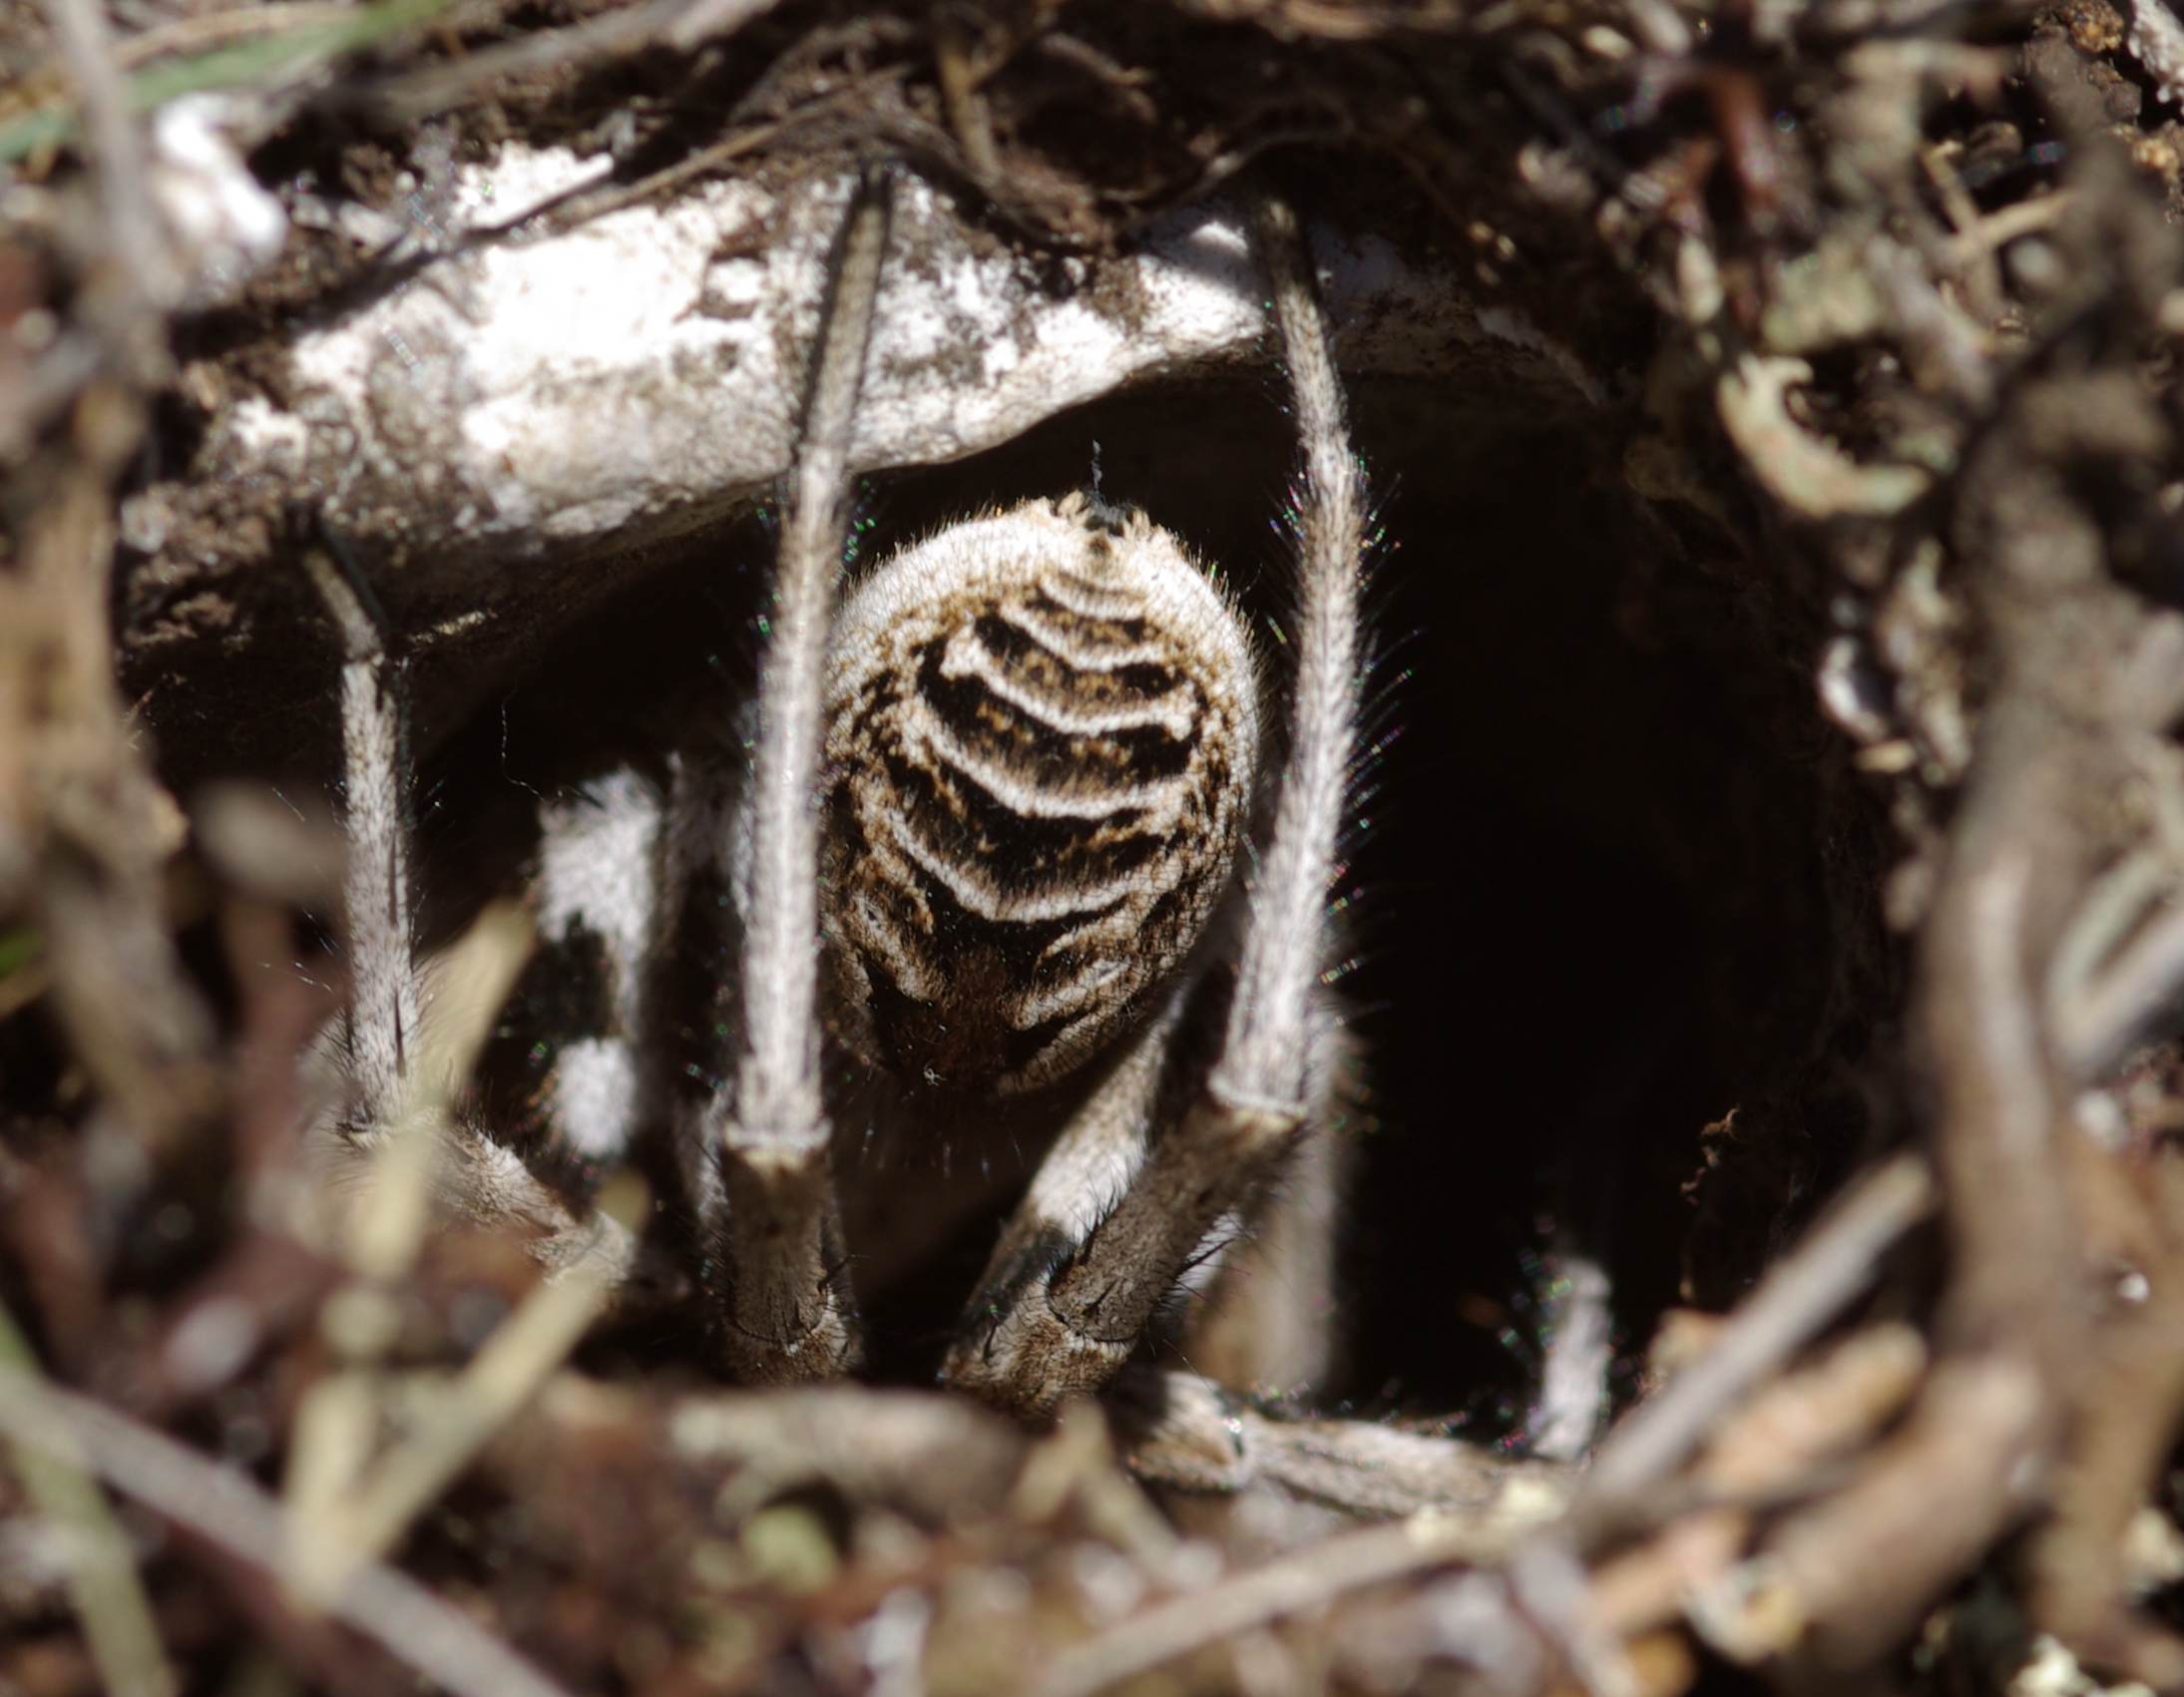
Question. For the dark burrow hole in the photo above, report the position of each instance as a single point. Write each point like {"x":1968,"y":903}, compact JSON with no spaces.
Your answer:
{"x":1586,"y":915}
{"x":1583,"y":918}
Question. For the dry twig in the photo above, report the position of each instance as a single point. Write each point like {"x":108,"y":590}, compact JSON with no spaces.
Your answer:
{"x":222,"y":1506}
{"x":1799,"y":1296}
{"x":102,"y":1567}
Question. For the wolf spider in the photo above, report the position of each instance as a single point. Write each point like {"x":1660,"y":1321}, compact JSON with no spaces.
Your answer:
{"x":987,"y":847}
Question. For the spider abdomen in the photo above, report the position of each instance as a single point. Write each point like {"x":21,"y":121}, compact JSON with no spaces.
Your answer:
{"x":1042,"y":727}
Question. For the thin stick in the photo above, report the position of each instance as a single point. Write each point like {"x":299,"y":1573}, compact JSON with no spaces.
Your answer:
{"x":523,"y":1352}
{"x":147,"y":269}
{"x":265,"y":63}
{"x":217,"y":29}
{"x":1802,"y":1292}
{"x":2124,"y":1004}
{"x":222,"y":1506}
{"x":960,"y":100}
{"x":102,"y":1584}
{"x":586,"y":205}
{"x":420,"y":94}
{"x":1310,"y":1578}
{"x":707,"y":18}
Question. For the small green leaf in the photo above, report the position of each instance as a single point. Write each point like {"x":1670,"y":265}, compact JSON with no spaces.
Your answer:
{"x":18,"y":949}
{"x":262,"y":63}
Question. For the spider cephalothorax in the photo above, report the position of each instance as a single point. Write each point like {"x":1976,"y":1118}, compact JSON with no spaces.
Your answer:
{"x":993,"y":806}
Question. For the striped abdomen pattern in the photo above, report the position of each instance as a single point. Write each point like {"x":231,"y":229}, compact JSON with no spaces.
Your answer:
{"x":1043,"y":729}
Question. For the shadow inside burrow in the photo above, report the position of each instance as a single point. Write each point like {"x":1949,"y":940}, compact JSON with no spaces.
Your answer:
{"x":1580,"y":920}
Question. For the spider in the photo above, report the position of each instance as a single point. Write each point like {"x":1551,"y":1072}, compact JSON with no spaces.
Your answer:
{"x":1007,"y":840}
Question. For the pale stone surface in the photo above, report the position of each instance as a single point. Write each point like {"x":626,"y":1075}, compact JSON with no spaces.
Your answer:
{"x":643,"y":369}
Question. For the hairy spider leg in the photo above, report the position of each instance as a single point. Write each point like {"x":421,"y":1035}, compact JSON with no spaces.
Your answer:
{"x":787,"y":1310}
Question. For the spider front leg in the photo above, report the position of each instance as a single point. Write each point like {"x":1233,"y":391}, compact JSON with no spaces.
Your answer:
{"x":1045,"y":1326}
{"x":384,"y":999}
{"x":396,"y":1071}
{"x":787,"y":1314}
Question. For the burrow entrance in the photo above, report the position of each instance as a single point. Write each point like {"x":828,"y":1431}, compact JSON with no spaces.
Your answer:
{"x":1598,"y":899}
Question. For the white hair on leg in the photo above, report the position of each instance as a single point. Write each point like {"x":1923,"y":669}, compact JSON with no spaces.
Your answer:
{"x":789,"y":1315}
